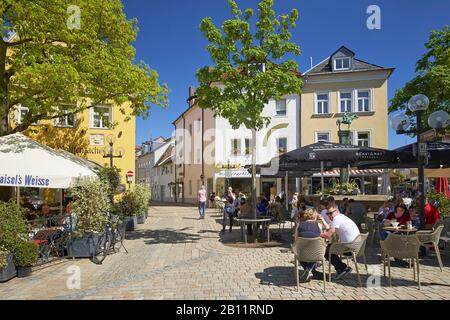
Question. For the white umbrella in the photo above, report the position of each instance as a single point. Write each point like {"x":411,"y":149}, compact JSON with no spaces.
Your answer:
{"x":27,"y":163}
{"x":386,"y":183}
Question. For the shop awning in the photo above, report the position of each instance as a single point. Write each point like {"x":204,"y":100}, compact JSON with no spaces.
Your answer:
{"x":27,"y":163}
{"x":353,"y":173}
{"x":232,"y":174}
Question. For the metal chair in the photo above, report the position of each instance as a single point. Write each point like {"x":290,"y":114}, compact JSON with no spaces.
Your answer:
{"x":341,"y":249}
{"x":309,"y":250}
{"x":401,"y":247}
{"x":431,"y":239}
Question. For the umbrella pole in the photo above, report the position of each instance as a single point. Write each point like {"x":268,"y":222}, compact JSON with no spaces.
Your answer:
{"x":322,"y":181}
{"x":18,"y":195}
{"x":286,"y":189}
{"x":61,"y":200}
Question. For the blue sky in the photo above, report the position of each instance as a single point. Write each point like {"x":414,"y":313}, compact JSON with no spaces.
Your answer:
{"x":170,"y":42}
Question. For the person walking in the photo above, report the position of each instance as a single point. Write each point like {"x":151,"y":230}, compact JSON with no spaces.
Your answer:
{"x":228,"y":211}
{"x":201,"y":201}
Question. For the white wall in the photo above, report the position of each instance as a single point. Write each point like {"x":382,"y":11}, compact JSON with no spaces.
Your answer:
{"x":265,"y":152}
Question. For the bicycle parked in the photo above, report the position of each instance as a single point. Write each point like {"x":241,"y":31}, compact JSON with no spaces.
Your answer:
{"x":113,"y":235}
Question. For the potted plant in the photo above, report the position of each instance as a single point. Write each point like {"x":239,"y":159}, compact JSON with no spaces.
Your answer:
{"x":13,"y":231}
{"x":7,"y":266}
{"x":441,"y":203}
{"x":143,"y":197}
{"x":129,"y":209}
{"x":25,"y":256}
{"x":91,"y":206}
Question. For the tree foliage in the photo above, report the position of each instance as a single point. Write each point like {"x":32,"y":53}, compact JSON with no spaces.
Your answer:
{"x":49,"y":62}
{"x":432,"y":79}
{"x":234,"y":87}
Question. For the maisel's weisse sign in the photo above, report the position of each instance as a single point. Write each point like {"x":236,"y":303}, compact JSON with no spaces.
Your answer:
{"x":24,"y":180}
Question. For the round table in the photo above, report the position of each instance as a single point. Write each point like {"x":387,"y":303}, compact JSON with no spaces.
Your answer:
{"x":245,"y":222}
{"x":400,"y":230}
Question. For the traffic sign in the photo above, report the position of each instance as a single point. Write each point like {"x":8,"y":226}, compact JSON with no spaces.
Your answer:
{"x":130,"y":174}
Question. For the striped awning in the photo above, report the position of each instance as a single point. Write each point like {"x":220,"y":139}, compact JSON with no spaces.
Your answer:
{"x":234,"y":174}
{"x":353,"y":172}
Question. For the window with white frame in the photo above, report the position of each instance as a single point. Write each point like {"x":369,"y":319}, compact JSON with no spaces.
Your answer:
{"x":281,"y":107}
{"x":248,"y":147}
{"x":322,"y":137}
{"x":101,"y":117}
{"x":21,"y":113}
{"x":282,"y":145}
{"x":322,"y":103}
{"x":345,"y":101}
{"x":364,"y":101}
{"x":363,"y":138}
{"x":342,"y":63}
{"x":67,"y":120}
{"x":236,"y":147}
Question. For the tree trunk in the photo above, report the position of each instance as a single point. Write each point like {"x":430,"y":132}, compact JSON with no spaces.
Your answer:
{"x":3,"y":120}
{"x":254,"y":172}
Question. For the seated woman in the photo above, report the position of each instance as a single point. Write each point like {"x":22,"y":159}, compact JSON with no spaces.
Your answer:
{"x":400,"y":215}
{"x":311,"y":224}
{"x":385,"y":210}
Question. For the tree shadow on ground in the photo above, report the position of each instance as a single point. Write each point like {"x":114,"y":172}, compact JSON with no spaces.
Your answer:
{"x":167,"y":236}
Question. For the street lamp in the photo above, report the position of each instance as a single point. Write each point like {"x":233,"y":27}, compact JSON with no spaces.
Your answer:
{"x":110,"y":152}
{"x":438,"y":120}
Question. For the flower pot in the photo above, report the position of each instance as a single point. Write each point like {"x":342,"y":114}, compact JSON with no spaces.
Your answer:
{"x":83,"y":246}
{"x":141,"y":219}
{"x":10,"y":271}
{"x":131,"y":223}
{"x":23,"y":272}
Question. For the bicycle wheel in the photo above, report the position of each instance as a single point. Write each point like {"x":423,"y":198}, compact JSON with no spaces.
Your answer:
{"x":102,"y":249}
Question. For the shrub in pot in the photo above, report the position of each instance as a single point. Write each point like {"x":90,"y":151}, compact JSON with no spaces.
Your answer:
{"x":143,"y":198}
{"x":13,"y":231}
{"x":25,"y":256}
{"x":129,"y":209}
{"x":7,"y":266}
{"x":91,"y":206}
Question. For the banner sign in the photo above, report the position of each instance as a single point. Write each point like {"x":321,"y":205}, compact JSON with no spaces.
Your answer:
{"x":34,"y":181}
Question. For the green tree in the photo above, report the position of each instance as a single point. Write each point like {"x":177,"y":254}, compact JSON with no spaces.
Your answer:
{"x":63,"y":51}
{"x":432,"y":79}
{"x":248,"y":68}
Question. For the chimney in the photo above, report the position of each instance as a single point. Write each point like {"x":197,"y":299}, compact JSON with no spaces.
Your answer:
{"x":191,"y":98}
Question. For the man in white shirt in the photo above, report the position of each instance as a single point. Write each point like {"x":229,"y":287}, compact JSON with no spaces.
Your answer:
{"x":347,"y":231}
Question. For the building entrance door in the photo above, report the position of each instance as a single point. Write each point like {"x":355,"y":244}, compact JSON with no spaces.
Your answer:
{"x":162,"y":193}
{"x":269,"y":188}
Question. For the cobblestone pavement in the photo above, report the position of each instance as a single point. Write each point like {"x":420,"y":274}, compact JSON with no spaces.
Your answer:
{"x":177,"y":256}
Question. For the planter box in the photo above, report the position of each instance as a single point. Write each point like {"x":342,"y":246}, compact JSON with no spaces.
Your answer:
{"x":10,"y":271}
{"x":83,"y":247}
{"x":131,"y":223}
{"x":141,"y":219}
{"x":23,"y":272}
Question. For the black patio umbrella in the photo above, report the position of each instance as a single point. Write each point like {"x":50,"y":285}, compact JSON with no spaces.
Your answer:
{"x":438,"y":156}
{"x":332,"y":155}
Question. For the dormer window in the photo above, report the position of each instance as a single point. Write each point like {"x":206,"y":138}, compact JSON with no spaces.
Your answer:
{"x":342,"y":63}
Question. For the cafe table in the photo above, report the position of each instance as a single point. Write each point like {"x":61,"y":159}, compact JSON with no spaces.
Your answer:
{"x":401,"y":230}
{"x":264,"y":223}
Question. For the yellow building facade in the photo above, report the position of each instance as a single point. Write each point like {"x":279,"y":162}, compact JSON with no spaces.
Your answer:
{"x":343,"y":84}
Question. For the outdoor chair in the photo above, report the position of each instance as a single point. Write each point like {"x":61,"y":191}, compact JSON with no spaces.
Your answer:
{"x":362,"y":250}
{"x":401,"y":247}
{"x":309,"y":250}
{"x":284,"y":217}
{"x":430,"y":239}
{"x":342,"y":249}
{"x":445,"y":235}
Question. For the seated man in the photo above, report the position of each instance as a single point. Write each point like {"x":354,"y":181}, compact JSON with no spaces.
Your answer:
{"x":347,"y":231}
{"x":246,"y":212}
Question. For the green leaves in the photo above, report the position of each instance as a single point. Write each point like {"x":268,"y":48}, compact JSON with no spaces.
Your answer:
{"x":48,"y":62}
{"x":433,"y":78}
{"x":249,"y":69}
